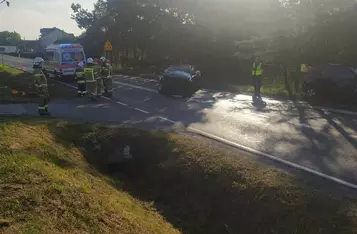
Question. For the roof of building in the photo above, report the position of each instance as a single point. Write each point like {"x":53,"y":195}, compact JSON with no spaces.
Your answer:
{"x":45,"y":31}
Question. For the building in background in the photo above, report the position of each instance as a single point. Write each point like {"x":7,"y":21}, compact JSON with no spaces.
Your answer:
{"x":51,"y":35}
{"x":29,"y":46}
{"x":8,"y":49}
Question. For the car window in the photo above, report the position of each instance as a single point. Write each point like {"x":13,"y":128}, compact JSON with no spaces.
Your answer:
{"x":187,"y":69}
{"x":338,"y":73}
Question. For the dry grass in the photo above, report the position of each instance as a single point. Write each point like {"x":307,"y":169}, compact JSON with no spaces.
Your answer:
{"x":51,"y":174}
{"x":48,"y":187}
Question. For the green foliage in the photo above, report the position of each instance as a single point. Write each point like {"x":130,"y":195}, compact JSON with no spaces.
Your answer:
{"x":10,"y":38}
{"x":208,"y":33}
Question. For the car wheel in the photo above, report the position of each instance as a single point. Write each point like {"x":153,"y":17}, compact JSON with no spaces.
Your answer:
{"x":311,"y":92}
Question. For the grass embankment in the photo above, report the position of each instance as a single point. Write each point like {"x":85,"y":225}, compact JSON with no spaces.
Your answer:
{"x":51,"y":174}
{"x":17,"y":86}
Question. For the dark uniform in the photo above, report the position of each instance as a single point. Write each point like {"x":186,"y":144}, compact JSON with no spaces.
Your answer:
{"x":91,"y":75}
{"x":106,"y":73}
{"x":81,"y":81}
{"x":40,"y":82}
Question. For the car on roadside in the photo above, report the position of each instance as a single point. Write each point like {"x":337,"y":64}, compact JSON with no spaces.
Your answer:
{"x":181,"y":80}
{"x":331,"y":82}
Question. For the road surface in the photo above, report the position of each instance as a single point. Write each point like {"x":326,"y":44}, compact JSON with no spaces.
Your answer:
{"x":311,"y":138}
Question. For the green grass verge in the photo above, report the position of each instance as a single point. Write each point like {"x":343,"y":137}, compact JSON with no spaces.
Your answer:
{"x":12,"y":79}
{"x":52,"y":180}
{"x":47,"y":186}
{"x":14,"y":71}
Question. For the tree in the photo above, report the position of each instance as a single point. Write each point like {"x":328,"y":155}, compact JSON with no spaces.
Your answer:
{"x":10,"y":38}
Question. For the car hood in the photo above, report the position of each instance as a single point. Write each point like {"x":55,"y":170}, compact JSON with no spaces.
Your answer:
{"x":178,"y":74}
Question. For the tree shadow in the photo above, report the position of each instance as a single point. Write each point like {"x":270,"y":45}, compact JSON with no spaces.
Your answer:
{"x":194,"y":198}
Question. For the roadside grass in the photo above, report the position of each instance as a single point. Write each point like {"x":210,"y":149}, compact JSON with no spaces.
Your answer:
{"x":72,"y":177}
{"x":48,"y":187}
{"x":17,"y":86}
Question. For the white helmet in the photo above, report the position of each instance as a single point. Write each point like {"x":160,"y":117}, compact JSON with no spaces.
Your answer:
{"x":38,"y":62}
{"x":90,"y":61}
{"x":102,"y":58}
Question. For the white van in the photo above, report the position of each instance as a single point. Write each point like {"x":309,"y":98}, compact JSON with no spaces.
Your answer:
{"x":62,"y":59}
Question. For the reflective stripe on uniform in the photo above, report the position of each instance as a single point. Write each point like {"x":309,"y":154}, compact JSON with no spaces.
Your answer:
{"x":41,"y":107}
{"x":81,"y":81}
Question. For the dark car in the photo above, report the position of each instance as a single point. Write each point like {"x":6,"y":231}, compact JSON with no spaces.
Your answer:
{"x":331,"y":82}
{"x":182,"y":80}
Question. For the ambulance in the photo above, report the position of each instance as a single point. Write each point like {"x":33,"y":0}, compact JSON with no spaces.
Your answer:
{"x":61,"y":59}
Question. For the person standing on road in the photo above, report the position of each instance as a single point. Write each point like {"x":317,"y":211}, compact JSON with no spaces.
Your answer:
{"x":98,"y":78}
{"x":40,"y":82}
{"x":302,"y":70}
{"x":106,"y":73}
{"x":257,"y":73}
{"x":81,"y":79}
{"x":90,"y":74}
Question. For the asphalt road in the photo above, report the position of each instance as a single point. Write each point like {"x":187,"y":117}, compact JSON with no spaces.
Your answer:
{"x":308,"y":137}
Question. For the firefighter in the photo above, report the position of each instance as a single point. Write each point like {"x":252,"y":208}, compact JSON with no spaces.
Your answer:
{"x":257,"y":76}
{"x":91,"y":74}
{"x":106,"y":73}
{"x":301,"y":72}
{"x":81,"y":80}
{"x":99,"y":78}
{"x":40,"y":82}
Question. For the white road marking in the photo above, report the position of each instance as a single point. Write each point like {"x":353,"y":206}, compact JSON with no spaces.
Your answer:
{"x":121,"y":103}
{"x":166,"y":119}
{"x":147,"y":99}
{"x":261,"y":115}
{"x":147,"y":81}
{"x":143,"y":111}
{"x":68,"y":85}
{"x":136,"y":87}
{"x":274,"y":158}
{"x":106,"y":98}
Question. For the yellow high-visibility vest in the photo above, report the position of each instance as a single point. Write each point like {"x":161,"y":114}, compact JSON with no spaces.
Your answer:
{"x":257,"y":69}
{"x":89,"y":74}
{"x":304,"y":68}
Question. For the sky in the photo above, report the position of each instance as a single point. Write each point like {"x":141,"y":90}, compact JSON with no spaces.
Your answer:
{"x":27,"y":17}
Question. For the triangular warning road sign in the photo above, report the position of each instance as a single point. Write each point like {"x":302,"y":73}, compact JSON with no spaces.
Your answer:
{"x":108,"y":46}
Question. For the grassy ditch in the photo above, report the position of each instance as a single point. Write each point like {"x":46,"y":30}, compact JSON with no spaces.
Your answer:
{"x":69,"y":177}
